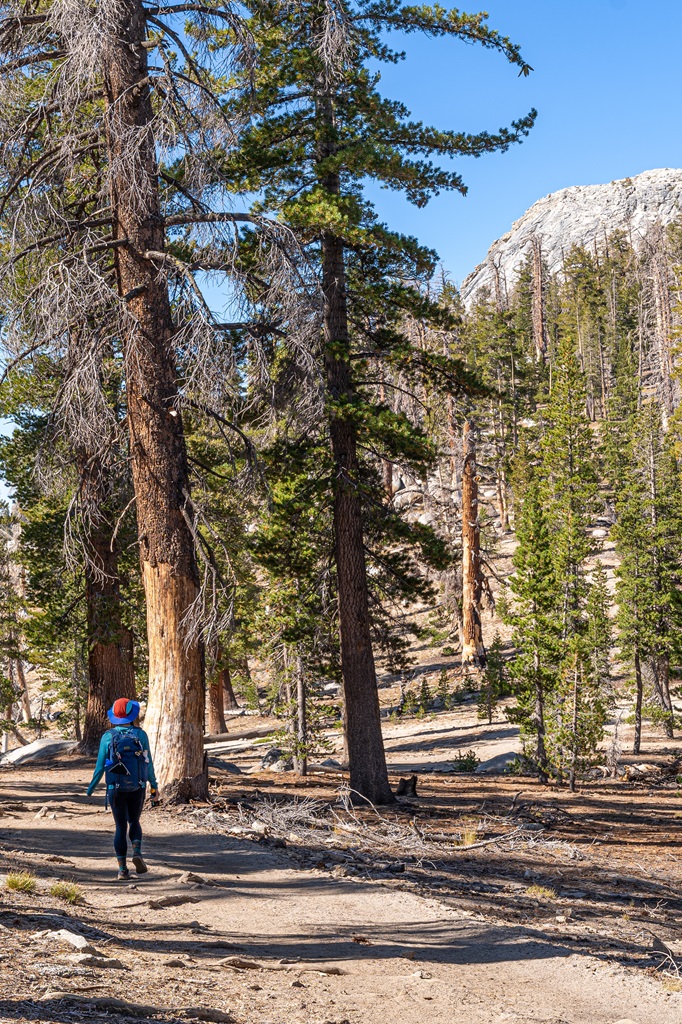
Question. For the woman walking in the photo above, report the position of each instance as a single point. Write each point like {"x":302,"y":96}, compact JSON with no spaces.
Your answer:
{"x":126,"y":761}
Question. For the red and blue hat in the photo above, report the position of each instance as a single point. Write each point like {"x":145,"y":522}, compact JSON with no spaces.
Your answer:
{"x":123,"y":711}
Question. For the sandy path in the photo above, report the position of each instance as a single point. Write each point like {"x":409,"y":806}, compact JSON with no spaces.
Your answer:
{"x":420,"y":962}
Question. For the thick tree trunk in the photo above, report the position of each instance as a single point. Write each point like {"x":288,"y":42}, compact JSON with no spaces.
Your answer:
{"x":110,"y":654}
{"x":637,"y":744}
{"x":473,"y":651}
{"x":367,"y":760}
{"x":175,"y":713}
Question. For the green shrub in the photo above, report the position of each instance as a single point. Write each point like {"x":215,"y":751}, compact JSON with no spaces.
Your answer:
{"x":468,"y":762}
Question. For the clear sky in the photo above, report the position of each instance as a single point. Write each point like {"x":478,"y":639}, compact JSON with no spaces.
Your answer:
{"x":606,"y":86}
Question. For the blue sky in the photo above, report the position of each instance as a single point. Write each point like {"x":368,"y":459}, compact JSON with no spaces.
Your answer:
{"x":606,"y":85}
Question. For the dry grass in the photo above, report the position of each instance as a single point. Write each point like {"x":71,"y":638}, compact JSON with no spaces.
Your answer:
{"x":20,"y":881}
{"x":541,"y":892}
{"x":68,"y":891}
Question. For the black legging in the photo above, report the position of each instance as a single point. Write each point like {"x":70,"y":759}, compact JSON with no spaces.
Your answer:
{"x":126,"y":809}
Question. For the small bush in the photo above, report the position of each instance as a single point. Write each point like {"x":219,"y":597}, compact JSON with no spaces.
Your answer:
{"x":447,"y":652}
{"x":468,"y":762}
{"x":20,"y":881}
{"x":68,"y":891}
{"x":469,"y":837}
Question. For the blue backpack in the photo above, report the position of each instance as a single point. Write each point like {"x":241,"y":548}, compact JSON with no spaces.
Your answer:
{"x":127,"y":766}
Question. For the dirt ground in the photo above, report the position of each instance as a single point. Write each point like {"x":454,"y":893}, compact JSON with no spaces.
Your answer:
{"x":487,"y":899}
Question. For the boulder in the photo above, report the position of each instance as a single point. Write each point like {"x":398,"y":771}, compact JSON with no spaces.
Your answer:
{"x":498,"y":764}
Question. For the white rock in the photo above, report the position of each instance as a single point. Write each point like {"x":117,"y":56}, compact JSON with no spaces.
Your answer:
{"x":92,"y":960}
{"x":580,"y":215}
{"x":71,"y":939}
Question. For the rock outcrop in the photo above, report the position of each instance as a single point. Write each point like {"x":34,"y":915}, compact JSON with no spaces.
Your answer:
{"x":580,"y":215}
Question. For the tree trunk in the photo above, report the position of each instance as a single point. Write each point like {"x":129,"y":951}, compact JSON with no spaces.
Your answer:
{"x":25,"y":699}
{"x":637,"y":744}
{"x":301,"y":758}
{"x":540,"y":749}
{"x":664,"y":333}
{"x":574,"y":730}
{"x":175,"y":713}
{"x":538,"y":305}
{"x":215,"y":705}
{"x":367,"y":760}
{"x":660,"y":665}
{"x":473,"y":651}
{"x":230,"y":702}
{"x":110,"y":654}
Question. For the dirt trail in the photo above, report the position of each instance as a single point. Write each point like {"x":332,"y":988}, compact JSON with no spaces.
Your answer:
{"x":401,"y":958}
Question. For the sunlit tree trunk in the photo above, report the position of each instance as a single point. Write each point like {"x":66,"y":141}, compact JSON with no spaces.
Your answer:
{"x":175,"y":714}
{"x":473,"y":650}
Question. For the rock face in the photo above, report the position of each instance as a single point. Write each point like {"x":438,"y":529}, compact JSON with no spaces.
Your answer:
{"x":580,"y":215}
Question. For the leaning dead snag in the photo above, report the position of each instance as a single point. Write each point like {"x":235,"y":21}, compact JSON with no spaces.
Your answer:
{"x":473,"y":650}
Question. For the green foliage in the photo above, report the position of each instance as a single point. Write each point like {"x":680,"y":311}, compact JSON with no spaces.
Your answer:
{"x":425,"y":698}
{"x":465,"y":763}
{"x":443,"y":688}
{"x":494,"y":684}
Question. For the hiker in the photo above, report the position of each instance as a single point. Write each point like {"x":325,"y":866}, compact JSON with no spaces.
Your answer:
{"x":126,"y":761}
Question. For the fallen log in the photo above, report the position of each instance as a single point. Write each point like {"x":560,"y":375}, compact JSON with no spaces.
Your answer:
{"x":206,"y":1013}
{"x":245,"y":734}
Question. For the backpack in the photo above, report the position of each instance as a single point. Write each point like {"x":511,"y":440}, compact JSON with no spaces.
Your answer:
{"x":127,"y":766}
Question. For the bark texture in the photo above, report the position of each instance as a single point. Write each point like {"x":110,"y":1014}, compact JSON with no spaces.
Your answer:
{"x":175,"y":715}
{"x":215,"y":705}
{"x":367,"y":760}
{"x":473,"y":650}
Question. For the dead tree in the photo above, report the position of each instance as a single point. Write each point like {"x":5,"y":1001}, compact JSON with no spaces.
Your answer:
{"x":539,"y":318}
{"x":473,"y":649}
{"x":86,"y":206}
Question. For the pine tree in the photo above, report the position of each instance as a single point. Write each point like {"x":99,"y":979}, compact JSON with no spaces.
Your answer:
{"x":647,"y":540}
{"x":314,"y":87}
{"x":570,"y":483}
{"x":493,"y":681}
{"x":536,"y":626}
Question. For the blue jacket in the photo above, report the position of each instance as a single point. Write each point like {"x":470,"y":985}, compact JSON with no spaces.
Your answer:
{"x":104,"y":752}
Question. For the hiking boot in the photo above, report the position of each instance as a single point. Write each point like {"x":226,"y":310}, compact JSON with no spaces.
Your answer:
{"x":140,"y":865}
{"x":123,"y":875}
